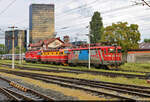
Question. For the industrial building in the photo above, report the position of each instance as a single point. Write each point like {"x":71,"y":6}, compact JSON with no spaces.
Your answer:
{"x":41,"y":22}
{"x":20,"y":39}
{"x":138,"y":56}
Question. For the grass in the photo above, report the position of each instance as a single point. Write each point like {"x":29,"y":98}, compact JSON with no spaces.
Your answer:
{"x":132,"y":81}
{"x":80,"y":68}
{"x":145,"y":67}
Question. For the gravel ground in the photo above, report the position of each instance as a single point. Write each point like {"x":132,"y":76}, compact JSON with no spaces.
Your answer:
{"x":51,"y":93}
{"x":2,"y":96}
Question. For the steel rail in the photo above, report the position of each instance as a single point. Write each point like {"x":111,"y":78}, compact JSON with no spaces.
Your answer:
{"x":79,"y":82}
{"x":9,"y":95}
{"x":145,"y":93}
{"x":24,"y":98}
{"x":70,"y":68}
{"x":25,"y":90}
{"x":111,"y":74}
{"x":86,"y":89}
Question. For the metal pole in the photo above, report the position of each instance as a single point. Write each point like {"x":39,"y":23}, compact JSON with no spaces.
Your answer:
{"x":13,"y":50}
{"x":20,"y":48}
{"x":115,"y":56}
{"x":89,"y":53}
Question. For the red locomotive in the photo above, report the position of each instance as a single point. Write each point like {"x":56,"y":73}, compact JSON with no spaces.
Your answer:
{"x":99,"y":56}
{"x":33,"y":56}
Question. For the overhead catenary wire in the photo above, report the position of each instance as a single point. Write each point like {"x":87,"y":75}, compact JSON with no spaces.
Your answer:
{"x":79,"y":7}
{"x":146,"y":3}
{"x":7,"y":7}
{"x":108,"y":12}
{"x":113,"y":10}
{"x":103,"y":12}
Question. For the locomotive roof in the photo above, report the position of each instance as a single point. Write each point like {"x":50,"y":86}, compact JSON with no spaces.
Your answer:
{"x":97,"y":47}
{"x":79,"y":48}
{"x":48,"y":50}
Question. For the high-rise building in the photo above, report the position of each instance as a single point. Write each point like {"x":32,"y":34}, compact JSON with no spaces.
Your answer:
{"x":20,"y":39}
{"x":41,"y":22}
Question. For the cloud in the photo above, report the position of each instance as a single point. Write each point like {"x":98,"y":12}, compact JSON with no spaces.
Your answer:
{"x":76,"y":14}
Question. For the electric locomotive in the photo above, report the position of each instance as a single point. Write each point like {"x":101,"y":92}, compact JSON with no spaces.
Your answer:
{"x":100,"y":56}
{"x":54,"y":56}
{"x":33,"y":56}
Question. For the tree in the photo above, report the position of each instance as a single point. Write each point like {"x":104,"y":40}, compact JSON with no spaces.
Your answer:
{"x":123,"y":35}
{"x":17,"y":50}
{"x":147,"y":40}
{"x":2,"y":49}
{"x":96,"y":28}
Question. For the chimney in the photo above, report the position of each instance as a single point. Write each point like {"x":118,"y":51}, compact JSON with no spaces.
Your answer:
{"x":66,"y":39}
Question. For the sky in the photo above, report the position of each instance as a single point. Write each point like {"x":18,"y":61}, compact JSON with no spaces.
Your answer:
{"x":72,"y":16}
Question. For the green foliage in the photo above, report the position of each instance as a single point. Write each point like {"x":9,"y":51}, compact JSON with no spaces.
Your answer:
{"x":17,"y":50}
{"x":96,"y":28}
{"x":147,"y":40}
{"x":123,"y":35}
{"x":2,"y":49}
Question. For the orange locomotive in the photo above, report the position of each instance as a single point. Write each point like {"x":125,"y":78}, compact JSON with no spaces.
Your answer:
{"x":54,"y":56}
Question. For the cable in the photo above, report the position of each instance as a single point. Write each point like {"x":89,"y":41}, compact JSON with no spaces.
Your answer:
{"x":79,"y":7}
{"x":108,"y":11}
{"x":105,"y":12}
{"x":146,"y":3}
{"x":7,"y":7}
{"x":66,"y":3}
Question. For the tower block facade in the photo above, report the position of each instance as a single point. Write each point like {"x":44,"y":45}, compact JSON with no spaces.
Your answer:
{"x":41,"y":24}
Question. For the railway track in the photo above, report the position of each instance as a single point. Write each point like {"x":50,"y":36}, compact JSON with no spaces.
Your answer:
{"x":73,"y":69}
{"x":16,"y":92}
{"x":77,"y":71}
{"x":120,"y":91}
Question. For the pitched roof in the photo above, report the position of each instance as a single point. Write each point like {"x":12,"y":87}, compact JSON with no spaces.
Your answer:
{"x":144,"y":45}
{"x":38,"y":44}
{"x":66,"y":45}
{"x":51,"y":40}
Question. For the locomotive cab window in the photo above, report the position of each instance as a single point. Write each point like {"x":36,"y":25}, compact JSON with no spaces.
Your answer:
{"x":39,"y":53}
{"x":111,"y":50}
{"x":119,"y":50}
{"x":104,"y":51}
{"x":65,"y":52}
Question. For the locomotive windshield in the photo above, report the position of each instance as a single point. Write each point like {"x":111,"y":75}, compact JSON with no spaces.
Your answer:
{"x":119,"y":50}
{"x":39,"y":53}
{"x":111,"y":50}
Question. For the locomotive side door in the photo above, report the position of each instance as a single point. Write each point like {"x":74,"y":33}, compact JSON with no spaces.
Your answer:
{"x":83,"y":56}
